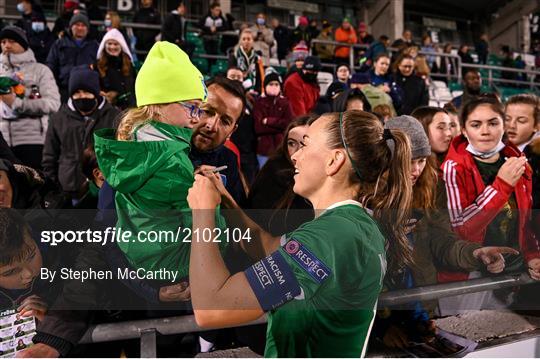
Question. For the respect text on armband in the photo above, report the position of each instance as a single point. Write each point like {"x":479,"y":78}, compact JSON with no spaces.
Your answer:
{"x":119,"y":235}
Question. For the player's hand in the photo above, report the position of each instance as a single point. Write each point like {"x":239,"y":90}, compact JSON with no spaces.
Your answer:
{"x":203,"y":194}
{"x":33,"y":306}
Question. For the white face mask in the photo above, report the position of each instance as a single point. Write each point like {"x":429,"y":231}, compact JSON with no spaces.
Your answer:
{"x":484,"y":155}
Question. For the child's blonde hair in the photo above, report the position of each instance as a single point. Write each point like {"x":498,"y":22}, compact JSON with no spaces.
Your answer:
{"x":135,"y":117}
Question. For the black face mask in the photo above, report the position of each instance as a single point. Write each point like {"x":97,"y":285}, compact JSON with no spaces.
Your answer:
{"x":309,"y":77}
{"x":85,"y":105}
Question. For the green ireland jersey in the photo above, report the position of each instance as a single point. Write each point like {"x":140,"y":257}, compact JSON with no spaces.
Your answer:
{"x":321,"y":286}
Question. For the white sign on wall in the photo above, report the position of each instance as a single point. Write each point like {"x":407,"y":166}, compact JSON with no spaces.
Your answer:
{"x":125,"y":5}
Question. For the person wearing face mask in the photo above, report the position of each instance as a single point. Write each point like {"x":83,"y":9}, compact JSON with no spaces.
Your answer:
{"x":302,"y":89}
{"x":33,"y":22}
{"x":272,"y":113}
{"x":71,"y":130}
{"x":489,"y":190}
{"x":116,"y":72}
{"x":113,"y":21}
{"x":75,"y":48}
{"x":25,"y":117}
{"x":264,"y":38}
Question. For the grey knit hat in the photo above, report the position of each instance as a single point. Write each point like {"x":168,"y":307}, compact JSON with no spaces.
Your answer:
{"x":414,"y":129}
{"x":79,"y":18}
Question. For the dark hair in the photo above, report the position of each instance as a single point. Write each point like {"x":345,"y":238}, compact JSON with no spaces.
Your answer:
{"x":214,"y":5}
{"x":527,"y":99}
{"x":382,"y":174}
{"x":13,"y":230}
{"x":450,"y":108}
{"x":467,"y":70}
{"x":233,"y":68}
{"x":383,"y":38}
{"x":382,"y":54}
{"x":340,"y":103}
{"x":400,"y":59}
{"x":283,"y":149}
{"x":89,"y":162}
{"x":233,"y":87}
{"x":425,"y":115}
{"x":472,"y":105}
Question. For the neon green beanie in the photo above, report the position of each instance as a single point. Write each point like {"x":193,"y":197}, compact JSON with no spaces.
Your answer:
{"x":167,"y":76}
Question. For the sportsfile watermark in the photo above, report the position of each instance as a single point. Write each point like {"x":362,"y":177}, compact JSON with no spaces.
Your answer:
{"x":118,"y":235}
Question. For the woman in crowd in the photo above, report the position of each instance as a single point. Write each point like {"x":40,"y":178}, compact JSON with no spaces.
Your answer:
{"x":411,"y":88}
{"x":248,"y":60}
{"x":380,"y":77}
{"x":455,"y":127}
{"x":116,"y":72}
{"x":351,"y":99}
{"x":447,"y":65}
{"x":274,"y":206}
{"x":437,"y":125}
{"x":488,"y":185}
{"x":339,"y":169}
{"x":112,"y":21}
{"x":343,"y":74}
{"x":271,"y":113}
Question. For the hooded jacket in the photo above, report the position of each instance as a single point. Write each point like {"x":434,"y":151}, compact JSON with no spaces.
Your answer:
{"x":532,"y":151}
{"x":25,"y":123}
{"x":473,"y":206}
{"x":151,"y":175}
{"x":302,"y":95}
{"x":277,"y":112}
{"x":68,"y":135}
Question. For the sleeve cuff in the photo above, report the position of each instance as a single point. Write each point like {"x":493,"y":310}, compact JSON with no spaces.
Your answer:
{"x":61,"y":345}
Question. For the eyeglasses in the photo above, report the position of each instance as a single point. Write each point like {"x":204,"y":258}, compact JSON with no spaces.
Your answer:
{"x":195,"y":111}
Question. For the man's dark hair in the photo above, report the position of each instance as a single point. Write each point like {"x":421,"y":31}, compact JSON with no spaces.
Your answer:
{"x":467,"y":70}
{"x":214,"y":5}
{"x":89,"y":162}
{"x":233,"y":87}
{"x":383,"y":38}
{"x":13,"y":229}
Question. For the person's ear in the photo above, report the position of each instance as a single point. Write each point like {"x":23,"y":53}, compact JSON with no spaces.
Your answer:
{"x":335,"y":162}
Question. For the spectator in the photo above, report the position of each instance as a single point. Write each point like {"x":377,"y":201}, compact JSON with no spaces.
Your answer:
{"x":351,"y":99}
{"x":346,"y":34}
{"x":264,"y":38}
{"x":274,"y":206}
{"x":482,"y":49}
{"x":455,"y":127}
{"x":422,"y":69}
{"x":272,"y":114}
{"x":25,"y":116}
{"x":427,"y":46}
{"x":72,"y":129}
{"x":437,"y":125}
{"x":145,"y":38}
{"x":375,"y":49}
{"x":94,"y":178}
{"x":282,"y":36}
{"x":405,"y":41}
{"x":74,"y":49}
{"x":380,"y":77}
{"x":343,"y":74}
{"x":5,"y":151}
{"x":376,"y":97}
{"x":61,"y":25}
{"x":248,"y":60}
{"x":40,"y":38}
{"x":507,"y":61}
{"x":301,"y":33}
{"x":523,"y":130}
{"x":220,"y":118}
{"x":472,"y":83}
{"x":212,"y":24}
{"x":325,"y":103}
{"x":234,"y":73}
{"x":302,"y":89}
{"x":411,"y":89}
{"x":463,"y":53}
{"x":364,"y":37}
{"x":296,"y":58}
{"x":487,"y":180}
{"x":92,"y":10}
{"x":447,"y":66}
{"x":174,"y":29}
{"x":325,"y":51}
{"x":313,"y":29}
{"x":113,"y":21}
{"x":116,"y":72}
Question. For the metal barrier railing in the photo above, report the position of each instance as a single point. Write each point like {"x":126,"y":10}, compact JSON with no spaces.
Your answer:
{"x":532,"y":75}
{"x":147,"y":329}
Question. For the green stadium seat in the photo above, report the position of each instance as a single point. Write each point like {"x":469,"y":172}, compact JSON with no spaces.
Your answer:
{"x":201,"y":64}
{"x":455,"y":86}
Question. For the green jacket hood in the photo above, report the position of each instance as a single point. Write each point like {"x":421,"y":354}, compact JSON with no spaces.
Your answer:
{"x":127,"y":165}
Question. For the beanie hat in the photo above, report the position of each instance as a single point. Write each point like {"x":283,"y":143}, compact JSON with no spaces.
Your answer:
{"x":167,"y":76}
{"x":326,"y":24}
{"x":303,"y":21}
{"x":360,"y":78}
{"x":346,"y":18}
{"x":413,"y":128}
{"x":84,"y":78}
{"x":71,"y":5}
{"x":362,"y":27}
{"x":273,"y":76}
{"x":16,"y":34}
{"x":335,"y":88}
{"x":114,"y":34}
{"x":312,"y":63}
{"x":79,"y":18}
{"x":300,"y":51}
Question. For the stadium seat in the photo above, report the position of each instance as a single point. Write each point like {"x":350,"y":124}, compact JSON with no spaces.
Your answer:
{"x":324,"y":79}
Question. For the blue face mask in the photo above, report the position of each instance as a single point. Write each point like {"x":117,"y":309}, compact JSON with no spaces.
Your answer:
{"x":107,"y":23}
{"x":261,"y":21}
{"x":20,"y":7}
{"x":38,"y":26}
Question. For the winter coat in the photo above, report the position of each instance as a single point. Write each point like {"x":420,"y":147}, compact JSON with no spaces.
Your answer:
{"x":303,"y":96}
{"x":174,"y":28}
{"x":251,"y":65}
{"x":325,"y":51}
{"x":219,"y":22}
{"x":115,"y":80}
{"x":282,"y":35}
{"x":472,"y":205}
{"x":151,"y":175}
{"x":65,"y":55}
{"x":68,"y":135}
{"x":277,"y":112}
{"x":532,"y":151}
{"x":26,"y":122}
{"x":412,"y":91}
{"x":146,"y":37}
{"x":39,"y":42}
{"x":346,"y":36}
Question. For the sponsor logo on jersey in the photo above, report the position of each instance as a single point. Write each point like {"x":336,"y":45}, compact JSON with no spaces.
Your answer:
{"x":308,"y":261}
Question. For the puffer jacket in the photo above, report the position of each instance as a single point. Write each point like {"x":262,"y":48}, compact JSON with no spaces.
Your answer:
{"x":278,"y":114}
{"x":25,"y":123}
